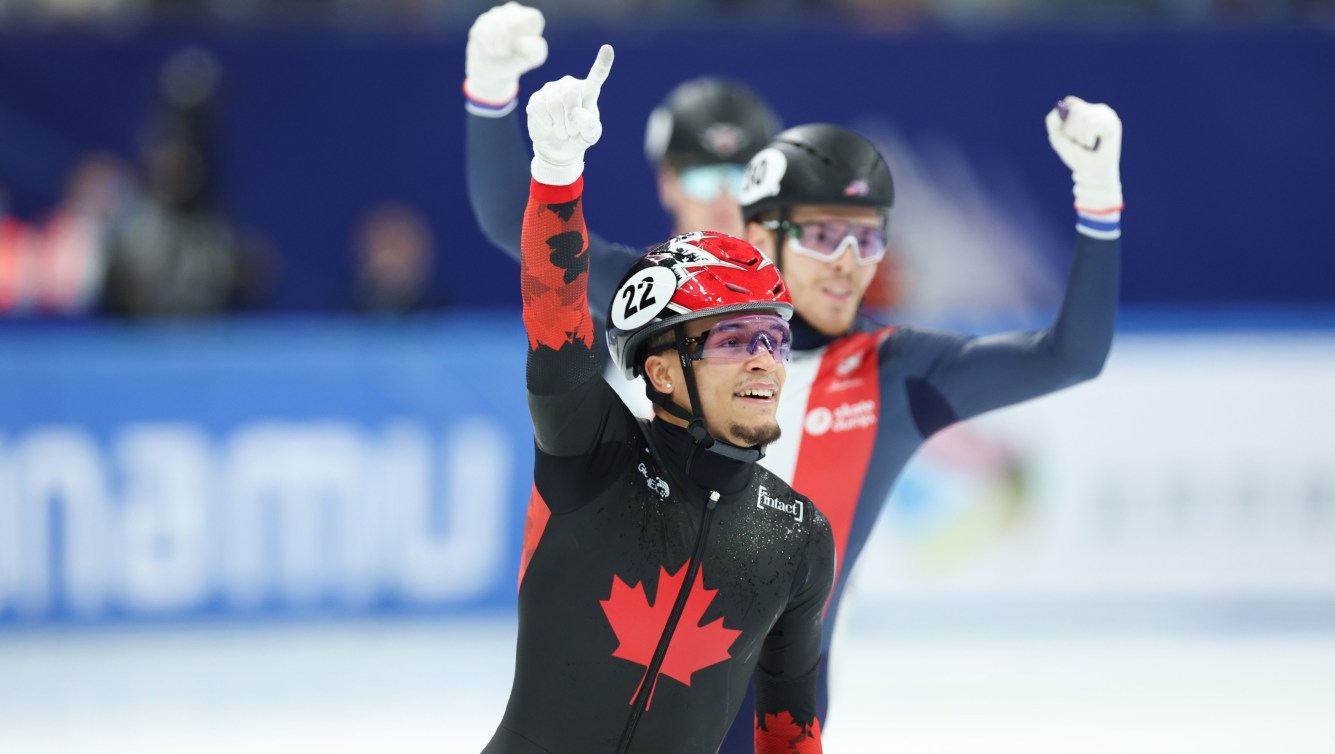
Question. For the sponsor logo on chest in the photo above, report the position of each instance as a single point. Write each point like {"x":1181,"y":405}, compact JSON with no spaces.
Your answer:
{"x":843,"y":418}
{"x":846,"y":377}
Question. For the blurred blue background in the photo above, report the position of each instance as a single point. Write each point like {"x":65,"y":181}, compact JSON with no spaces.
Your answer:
{"x":1226,"y":162}
{"x":250,"y":497}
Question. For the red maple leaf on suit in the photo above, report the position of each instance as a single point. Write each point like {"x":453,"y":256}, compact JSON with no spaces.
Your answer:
{"x":774,"y":735}
{"x":638,"y":625}
{"x":555,"y":321}
{"x":565,"y":258}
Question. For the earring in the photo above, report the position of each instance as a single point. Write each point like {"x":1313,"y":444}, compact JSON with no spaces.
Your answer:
{"x":667,"y":386}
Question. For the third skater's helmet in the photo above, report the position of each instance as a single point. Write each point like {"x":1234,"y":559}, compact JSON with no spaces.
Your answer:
{"x":689,"y":277}
{"x":706,"y":121}
{"x":817,"y":163}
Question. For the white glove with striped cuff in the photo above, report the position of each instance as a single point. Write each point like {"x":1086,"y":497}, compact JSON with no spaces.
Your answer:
{"x":563,"y":121}
{"x":1088,"y":138}
{"x":503,"y":44}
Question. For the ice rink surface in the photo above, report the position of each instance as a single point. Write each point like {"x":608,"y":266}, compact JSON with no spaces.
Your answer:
{"x":440,"y":686}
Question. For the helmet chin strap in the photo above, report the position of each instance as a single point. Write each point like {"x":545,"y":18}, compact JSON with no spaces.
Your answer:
{"x":694,"y":418}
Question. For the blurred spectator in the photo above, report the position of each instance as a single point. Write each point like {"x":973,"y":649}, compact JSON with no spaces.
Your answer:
{"x":395,"y":255}
{"x":177,"y":253}
{"x":14,"y":241}
{"x":56,"y":265}
{"x":70,"y":247}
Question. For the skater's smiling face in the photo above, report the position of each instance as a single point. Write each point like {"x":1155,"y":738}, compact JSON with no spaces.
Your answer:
{"x":738,"y":364}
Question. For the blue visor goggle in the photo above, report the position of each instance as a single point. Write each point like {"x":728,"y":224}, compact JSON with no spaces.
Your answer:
{"x":704,"y":183}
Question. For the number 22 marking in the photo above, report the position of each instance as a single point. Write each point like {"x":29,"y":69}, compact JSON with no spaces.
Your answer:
{"x":628,"y":293}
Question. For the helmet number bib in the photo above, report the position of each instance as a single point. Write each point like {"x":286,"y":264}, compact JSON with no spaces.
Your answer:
{"x":642,"y":297}
{"x":763,"y":176}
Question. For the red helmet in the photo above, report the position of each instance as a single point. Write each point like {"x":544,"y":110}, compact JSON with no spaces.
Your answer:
{"x":692,"y":276}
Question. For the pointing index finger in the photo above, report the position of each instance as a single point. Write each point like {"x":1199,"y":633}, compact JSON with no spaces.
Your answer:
{"x":602,"y":66}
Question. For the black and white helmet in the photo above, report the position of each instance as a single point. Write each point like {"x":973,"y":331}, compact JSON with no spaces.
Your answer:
{"x":817,"y":163}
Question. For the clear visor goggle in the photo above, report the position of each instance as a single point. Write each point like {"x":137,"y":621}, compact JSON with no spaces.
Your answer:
{"x":740,"y":339}
{"x":704,"y":183}
{"x":826,"y":240}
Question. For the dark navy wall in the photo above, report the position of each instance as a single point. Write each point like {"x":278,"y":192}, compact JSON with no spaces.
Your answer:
{"x":1227,"y":155}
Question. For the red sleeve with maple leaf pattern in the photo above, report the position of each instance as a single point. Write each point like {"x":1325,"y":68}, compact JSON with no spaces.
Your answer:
{"x":554,"y":271}
{"x":786,"y":674}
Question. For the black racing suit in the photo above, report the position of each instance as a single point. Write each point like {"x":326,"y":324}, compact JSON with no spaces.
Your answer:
{"x":857,"y":406}
{"x":657,"y":577}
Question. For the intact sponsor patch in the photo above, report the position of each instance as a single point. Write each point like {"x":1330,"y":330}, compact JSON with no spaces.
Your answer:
{"x":795,"y":508}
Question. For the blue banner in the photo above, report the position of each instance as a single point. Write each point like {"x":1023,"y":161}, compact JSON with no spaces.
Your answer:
{"x":261,"y":468}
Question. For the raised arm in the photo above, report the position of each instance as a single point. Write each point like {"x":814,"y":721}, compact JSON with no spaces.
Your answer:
{"x":563,"y":122}
{"x":786,"y":675}
{"x":504,"y":43}
{"x":965,"y":376}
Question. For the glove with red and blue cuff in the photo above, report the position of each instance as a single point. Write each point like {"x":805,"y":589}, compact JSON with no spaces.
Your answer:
{"x":1088,"y":138}
{"x":503,"y":44}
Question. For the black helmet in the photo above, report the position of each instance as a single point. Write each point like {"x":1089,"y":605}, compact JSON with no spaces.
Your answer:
{"x":709,"y":120}
{"x":817,"y":163}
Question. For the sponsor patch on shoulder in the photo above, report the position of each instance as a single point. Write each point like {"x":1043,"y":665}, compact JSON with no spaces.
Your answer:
{"x":795,"y":508}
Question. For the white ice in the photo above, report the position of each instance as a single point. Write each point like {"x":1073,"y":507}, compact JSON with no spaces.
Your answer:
{"x":440,"y":686}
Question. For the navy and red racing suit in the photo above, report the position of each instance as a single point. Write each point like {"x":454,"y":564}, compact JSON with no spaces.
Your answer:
{"x":656,"y":580}
{"x":857,"y":406}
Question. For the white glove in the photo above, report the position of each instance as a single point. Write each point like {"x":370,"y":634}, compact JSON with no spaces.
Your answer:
{"x":563,"y":121}
{"x":1088,"y":138}
{"x":503,"y":44}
